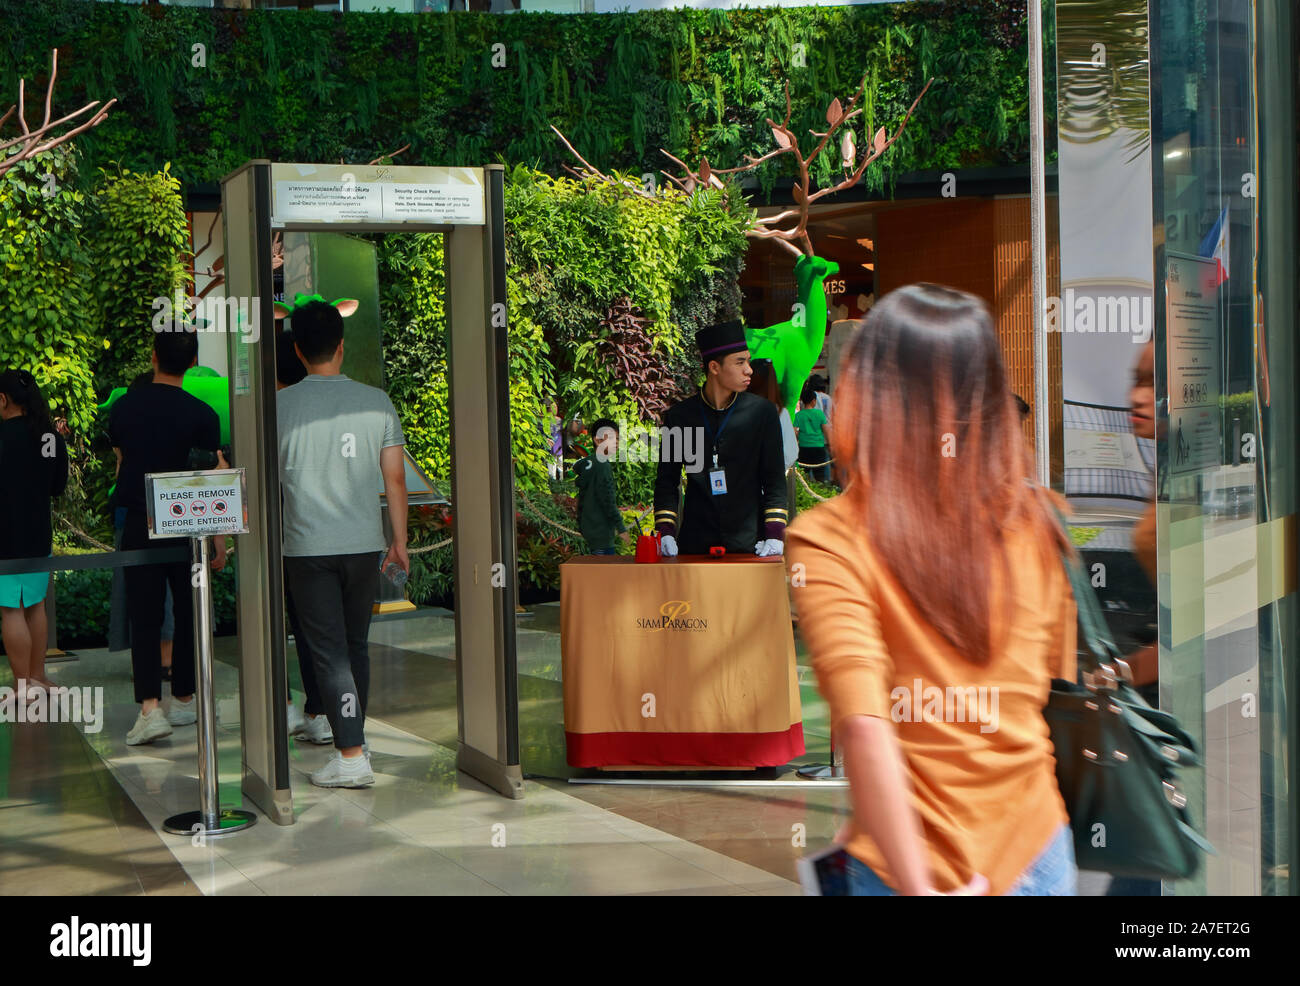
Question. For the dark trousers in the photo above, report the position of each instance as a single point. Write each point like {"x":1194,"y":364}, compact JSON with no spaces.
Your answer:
{"x":146,"y":594}
{"x":333,"y":596}
{"x":312,"y":705}
{"x":816,"y":461}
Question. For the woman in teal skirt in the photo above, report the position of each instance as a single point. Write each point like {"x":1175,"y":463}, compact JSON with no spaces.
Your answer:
{"x":33,"y":469}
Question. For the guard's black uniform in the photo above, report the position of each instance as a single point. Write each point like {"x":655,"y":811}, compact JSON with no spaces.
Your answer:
{"x":750,"y":451}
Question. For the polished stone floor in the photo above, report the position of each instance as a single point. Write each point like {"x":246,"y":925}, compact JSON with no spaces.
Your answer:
{"x":82,"y":812}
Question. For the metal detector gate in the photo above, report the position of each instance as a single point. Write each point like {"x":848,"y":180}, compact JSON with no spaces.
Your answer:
{"x":465,"y":204}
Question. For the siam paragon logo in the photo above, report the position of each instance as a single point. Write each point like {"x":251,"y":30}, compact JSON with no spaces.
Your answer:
{"x":672,"y":616}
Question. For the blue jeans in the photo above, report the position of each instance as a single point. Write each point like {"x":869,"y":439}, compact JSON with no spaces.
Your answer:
{"x":1052,"y":874}
{"x":604,"y":551}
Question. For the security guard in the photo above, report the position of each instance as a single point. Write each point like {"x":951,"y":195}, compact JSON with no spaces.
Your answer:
{"x":735,"y":494}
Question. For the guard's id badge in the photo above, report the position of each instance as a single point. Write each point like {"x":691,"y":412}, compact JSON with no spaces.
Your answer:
{"x":718,"y":481}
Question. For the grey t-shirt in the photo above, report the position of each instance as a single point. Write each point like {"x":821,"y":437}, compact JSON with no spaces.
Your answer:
{"x":332,"y":430}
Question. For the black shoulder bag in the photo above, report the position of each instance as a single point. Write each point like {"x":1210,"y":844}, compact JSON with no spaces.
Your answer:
{"x":1117,"y":760}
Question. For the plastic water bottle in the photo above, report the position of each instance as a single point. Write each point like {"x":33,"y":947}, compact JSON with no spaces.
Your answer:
{"x":393,"y":572}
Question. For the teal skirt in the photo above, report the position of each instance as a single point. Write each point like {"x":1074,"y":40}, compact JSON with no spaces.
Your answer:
{"x":25,"y":589}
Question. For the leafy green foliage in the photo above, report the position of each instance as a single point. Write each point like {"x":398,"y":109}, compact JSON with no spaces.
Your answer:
{"x":805,"y":500}
{"x":541,"y":547}
{"x":140,"y":238}
{"x":1241,"y":404}
{"x":432,"y":578}
{"x":572,"y":252}
{"x":84,"y":597}
{"x":414,"y":316}
{"x":46,"y":310}
{"x":311,"y":86}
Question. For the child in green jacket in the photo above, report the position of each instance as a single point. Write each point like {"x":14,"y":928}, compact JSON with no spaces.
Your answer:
{"x":599,"y":518}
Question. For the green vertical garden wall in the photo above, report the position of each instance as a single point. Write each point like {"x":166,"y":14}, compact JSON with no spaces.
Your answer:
{"x":201,"y":91}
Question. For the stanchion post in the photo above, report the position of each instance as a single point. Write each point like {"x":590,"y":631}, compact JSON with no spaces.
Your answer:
{"x":201,"y":504}
{"x":209,"y":821}
{"x":209,"y":803}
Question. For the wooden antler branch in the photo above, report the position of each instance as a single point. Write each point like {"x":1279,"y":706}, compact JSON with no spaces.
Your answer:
{"x":879,"y":144}
{"x":216,"y":271}
{"x":404,"y":147}
{"x":590,"y":172}
{"x":33,"y":142}
{"x":795,"y":240}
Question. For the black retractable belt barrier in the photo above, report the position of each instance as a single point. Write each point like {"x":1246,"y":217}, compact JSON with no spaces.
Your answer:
{"x":98,"y":559}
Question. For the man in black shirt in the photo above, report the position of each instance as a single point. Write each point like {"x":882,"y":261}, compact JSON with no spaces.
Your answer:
{"x":152,"y":429}
{"x":737,"y":501}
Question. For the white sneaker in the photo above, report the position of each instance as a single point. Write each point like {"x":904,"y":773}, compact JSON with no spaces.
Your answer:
{"x":149,"y":727}
{"x":344,"y":772}
{"x":296,"y":719}
{"x":317,"y":730}
{"x":183,"y":713}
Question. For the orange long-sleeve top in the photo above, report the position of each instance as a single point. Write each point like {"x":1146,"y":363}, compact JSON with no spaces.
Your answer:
{"x":985,"y":786}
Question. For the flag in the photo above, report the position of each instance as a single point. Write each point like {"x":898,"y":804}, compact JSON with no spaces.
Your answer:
{"x":1215,"y":245}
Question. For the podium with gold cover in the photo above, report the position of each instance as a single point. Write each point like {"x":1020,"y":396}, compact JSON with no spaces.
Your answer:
{"x":688,"y":662}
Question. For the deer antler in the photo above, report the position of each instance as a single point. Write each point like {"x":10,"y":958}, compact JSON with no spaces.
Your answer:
{"x":404,"y":147}
{"x":795,"y":240}
{"x":32,"y":141}
{"x":590,"y":172}
{"x":880,"y":143}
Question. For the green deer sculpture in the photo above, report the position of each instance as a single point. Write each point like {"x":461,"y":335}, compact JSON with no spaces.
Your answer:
{"x":795,"y":345}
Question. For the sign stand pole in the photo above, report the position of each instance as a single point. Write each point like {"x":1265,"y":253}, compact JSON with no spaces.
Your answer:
{"x":210,"y":820}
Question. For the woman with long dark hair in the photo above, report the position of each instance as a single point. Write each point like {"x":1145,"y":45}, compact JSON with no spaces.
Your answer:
{"x":937,"y":611}
{"x":33,"y":469}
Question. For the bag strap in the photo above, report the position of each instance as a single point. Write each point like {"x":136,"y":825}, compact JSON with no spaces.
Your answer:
{"x":1100,"y":645}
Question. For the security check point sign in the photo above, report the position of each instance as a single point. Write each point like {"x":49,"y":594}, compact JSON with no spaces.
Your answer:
{"x":196,"y":504}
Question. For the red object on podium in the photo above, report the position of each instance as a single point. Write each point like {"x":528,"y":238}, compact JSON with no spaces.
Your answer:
{"x":647,"y":547}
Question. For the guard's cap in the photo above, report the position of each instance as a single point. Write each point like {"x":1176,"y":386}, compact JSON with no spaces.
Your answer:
{"x":719,"y":341}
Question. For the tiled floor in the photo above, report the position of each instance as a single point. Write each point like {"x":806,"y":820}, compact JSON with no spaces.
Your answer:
{"x":81,"y":813}
{"x":423,"y":828}
{"x":766,"y":829}
{"x":66,"y":827}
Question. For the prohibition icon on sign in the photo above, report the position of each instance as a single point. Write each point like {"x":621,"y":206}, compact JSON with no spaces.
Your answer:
{"x":198,"y":508}
{"x":178,"y":510}
{"x":218,"y":506}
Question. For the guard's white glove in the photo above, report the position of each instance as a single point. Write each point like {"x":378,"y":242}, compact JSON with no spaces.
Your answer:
{"x":770,"y":547}
{"x":668,"y":546}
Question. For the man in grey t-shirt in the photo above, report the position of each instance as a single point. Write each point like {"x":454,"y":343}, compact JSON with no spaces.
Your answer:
{"x":337,"y":439}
